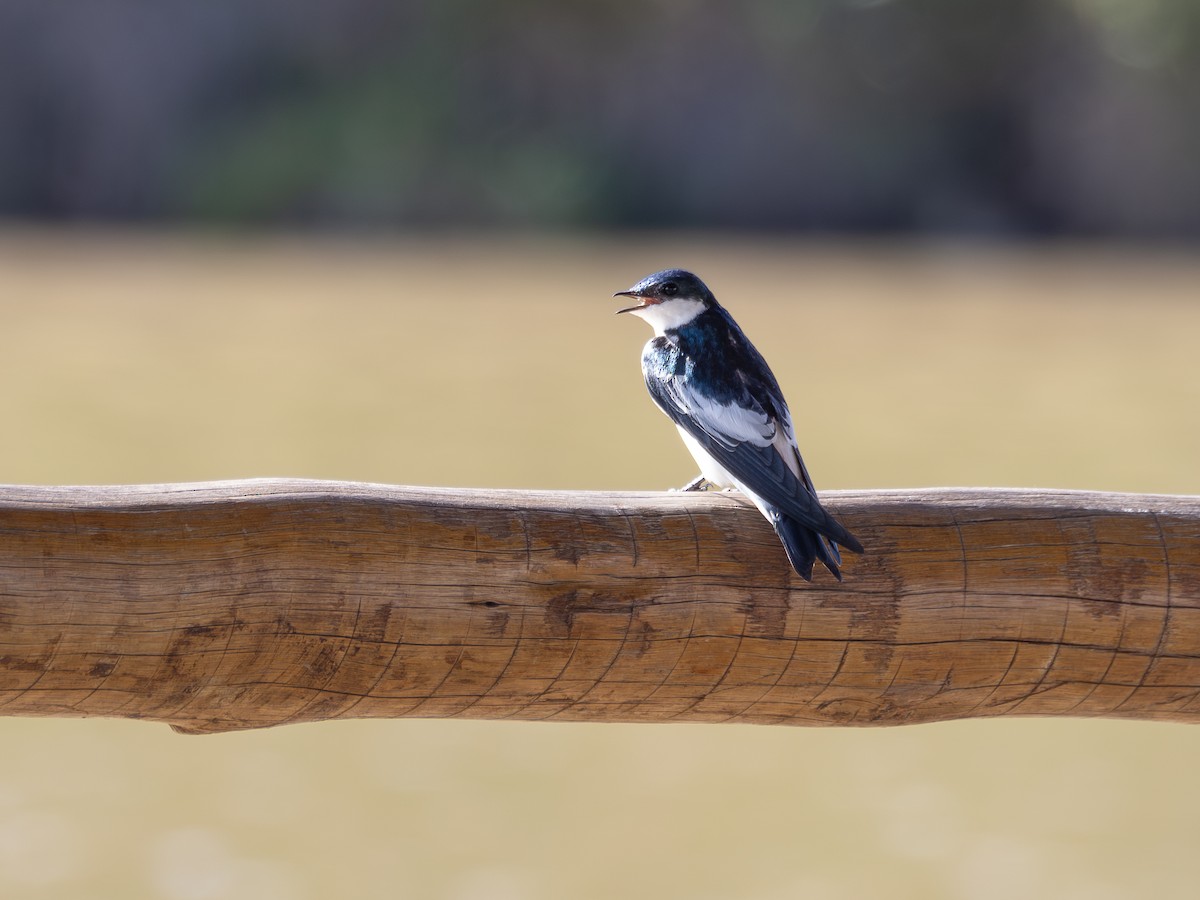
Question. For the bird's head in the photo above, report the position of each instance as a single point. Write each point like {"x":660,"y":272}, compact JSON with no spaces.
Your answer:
{"x":668,"y":299}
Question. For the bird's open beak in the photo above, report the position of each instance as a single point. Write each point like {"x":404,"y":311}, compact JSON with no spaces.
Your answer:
{"x":645,"y":301}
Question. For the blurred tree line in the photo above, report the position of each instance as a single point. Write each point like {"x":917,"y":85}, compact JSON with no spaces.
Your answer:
{"x":990,"y":116}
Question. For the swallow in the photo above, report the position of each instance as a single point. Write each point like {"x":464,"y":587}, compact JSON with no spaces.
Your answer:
{"x":708,"y":378}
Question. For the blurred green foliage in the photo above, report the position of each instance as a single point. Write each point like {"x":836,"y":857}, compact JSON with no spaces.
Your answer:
{"x":992,"y":117}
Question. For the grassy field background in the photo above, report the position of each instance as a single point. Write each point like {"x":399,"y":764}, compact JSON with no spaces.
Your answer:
{"x":497,"y":362}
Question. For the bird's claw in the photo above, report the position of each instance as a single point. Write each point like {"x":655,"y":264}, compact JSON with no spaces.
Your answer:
{"x":699,"y":483}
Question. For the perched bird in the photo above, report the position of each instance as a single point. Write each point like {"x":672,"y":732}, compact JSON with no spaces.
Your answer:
{"x":717,"y":389}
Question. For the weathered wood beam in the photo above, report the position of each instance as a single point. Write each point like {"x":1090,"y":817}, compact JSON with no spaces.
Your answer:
{"x":253,"y":603}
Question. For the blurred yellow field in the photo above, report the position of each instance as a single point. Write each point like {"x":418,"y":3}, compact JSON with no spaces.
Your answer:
{"x":475,"y":361}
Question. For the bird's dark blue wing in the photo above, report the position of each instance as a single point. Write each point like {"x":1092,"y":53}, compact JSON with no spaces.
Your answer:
{"x":749,"y":441}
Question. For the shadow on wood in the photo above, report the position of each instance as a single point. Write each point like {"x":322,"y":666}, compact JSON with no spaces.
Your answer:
{"x":253,"y":603}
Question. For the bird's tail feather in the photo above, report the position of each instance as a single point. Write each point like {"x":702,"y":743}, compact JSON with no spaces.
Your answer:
{"x":838,"y":535}
{"x":804,"y":547}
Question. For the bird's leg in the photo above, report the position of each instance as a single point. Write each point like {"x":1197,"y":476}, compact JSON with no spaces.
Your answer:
{"x":696,"y":484}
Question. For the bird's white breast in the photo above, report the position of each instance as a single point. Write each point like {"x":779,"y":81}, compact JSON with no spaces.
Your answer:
{"x":718,"y":475}
{"x":709,"y":467}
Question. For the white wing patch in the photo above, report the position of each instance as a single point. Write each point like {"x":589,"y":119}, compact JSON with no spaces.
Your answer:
{"x":786,"y":447}
{"x":730,"y":423}
{"x":787,"y":426}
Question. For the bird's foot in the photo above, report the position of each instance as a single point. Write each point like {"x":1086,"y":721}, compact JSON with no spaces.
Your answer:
{"x":699,"y":483}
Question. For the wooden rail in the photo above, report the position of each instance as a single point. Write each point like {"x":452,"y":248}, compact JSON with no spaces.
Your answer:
{"x":253,"y":603}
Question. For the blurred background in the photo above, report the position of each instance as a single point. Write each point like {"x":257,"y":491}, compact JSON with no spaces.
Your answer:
{"x":999,"y":117}
{"x":377,"y":241}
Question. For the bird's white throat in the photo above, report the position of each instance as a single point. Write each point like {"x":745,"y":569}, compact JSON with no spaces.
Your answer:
{"x":669,"y":314}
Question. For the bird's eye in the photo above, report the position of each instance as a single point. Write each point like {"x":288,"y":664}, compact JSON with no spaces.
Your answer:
{"x":670,"y":288}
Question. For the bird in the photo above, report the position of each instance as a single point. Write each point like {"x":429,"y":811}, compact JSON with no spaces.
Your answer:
{"x":704,"y":373}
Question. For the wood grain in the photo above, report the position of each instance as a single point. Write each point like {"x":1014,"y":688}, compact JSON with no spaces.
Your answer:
{"x":247,"y":604}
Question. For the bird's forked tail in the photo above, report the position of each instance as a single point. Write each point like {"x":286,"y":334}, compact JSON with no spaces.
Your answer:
{"x":805,"y":546}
